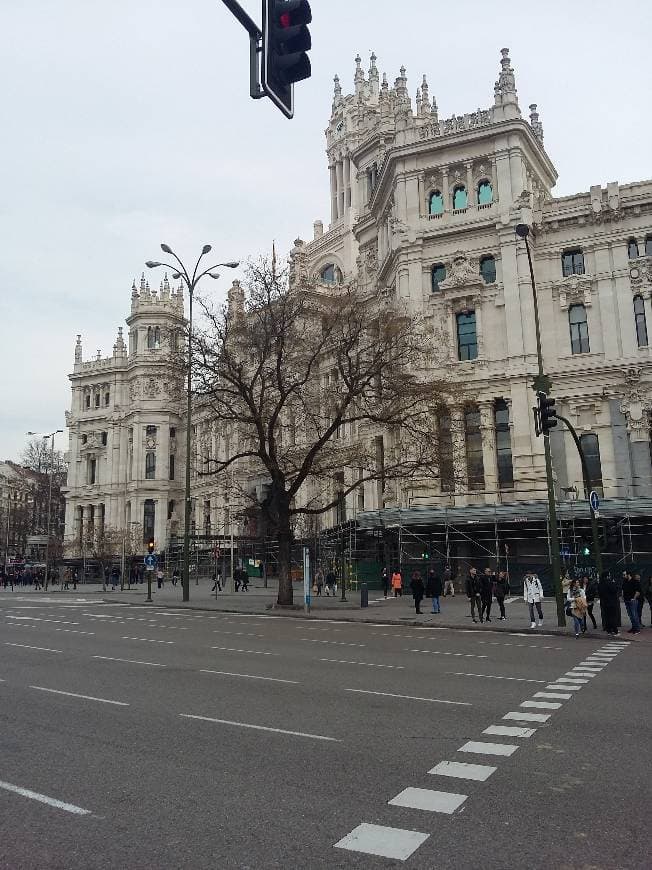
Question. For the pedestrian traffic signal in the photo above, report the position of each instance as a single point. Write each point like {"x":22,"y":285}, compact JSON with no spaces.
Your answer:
{"x":586,"y":550}
{"x":425,"y":555}
{"x":545,"y":415}
{"x":286,"y":39}
{"x":150,"y":546}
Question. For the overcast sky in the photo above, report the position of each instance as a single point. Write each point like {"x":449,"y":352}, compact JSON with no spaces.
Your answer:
{"x":129,"y":123}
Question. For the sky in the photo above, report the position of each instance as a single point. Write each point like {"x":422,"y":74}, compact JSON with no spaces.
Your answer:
{"x":130,"y":123}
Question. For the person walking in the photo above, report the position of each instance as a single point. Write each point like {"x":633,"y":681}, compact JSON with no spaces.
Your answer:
{"x":217,"y":581}
{"x":646,"y":589}
{"x":416,"y":584}
{"x":176,"y":576}
{"x":590,"y":586}
{"x":244,"y":579}
{"x":631,"y":594}
{"x":576,"y":605}
{"x":533,"y":596}
{"x":319,"y":582}
{"x":434,"y":588}
{"x":609,"y":603}
{"x":115,"y":577}
{"x":397,"y":583}
{"x":449,"y":584}
{"x":384,"y":580}
{"x":486,"y":593}
{"x":640,"y":601}
{"x":501,"y":591}
{"x":159,"y":578}
{"x":329,"y":583}
{"x":473,"y":593}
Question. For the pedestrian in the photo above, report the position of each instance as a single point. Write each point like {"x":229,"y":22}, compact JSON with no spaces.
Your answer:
{"x":397,"y":583}
{"x":640,"y":601}
{"x":115,"y":577}
{"x":384,"y":580}
{"x":176,"y":576}
{"x":449,"y":584}
{"x":217,"y":581}
{"x":329,"y":583}
{"x":473,"y":593}
{"x":160,"y":576}
{"x":434,"y":588}
{"x":486,"y":593}
{"x":533,"y":596}
{"x":416,"y":584}
{"x":648,"y":598}
{"x":576,"y":605}
{"x":501,"y":591}
{"x":244,"y":579}
{"x":631,"y":594}
{"x":590,"y":586}
{"x":609,"y":603}
{"x":319,"y":582}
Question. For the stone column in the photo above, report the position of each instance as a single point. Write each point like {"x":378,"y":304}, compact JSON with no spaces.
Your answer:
{"x":460,"y":472}
{"x":333,"y":192}
{"x":347,"y":182}
{"x":339,"y":174}
{"x":639,"y":445}
{"x":489,"y":458}
{"x":471,"y":199}
{"x":445,"y":190}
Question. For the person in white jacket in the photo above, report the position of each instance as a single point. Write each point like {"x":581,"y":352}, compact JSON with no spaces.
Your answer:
{"x":533,"y":596}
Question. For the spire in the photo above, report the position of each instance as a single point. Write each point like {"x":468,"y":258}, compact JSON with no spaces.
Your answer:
{"x":425,"y":97}
{"x":119,"y":346}
{"x":142,"y":281}
{"x":337,"y":92}
{"x":134,"y":291}
{"x":374,"y":77}
{"x":418,"y":101}
{"x":505,"y":90}
{"x":401,"y":86}
{"x":78,"y":349}
{"x":537,"y":126}
{"x":358,"y":78}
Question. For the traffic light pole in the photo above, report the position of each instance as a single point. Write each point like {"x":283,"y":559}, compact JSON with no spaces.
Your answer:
{"x":255,"y":48}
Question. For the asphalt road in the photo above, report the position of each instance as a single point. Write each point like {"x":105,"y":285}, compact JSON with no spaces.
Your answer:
{"x":177,"y":739}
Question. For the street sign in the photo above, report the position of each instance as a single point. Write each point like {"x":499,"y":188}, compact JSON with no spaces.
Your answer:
{"x":151,"y":562}
{"x":594,"y":501}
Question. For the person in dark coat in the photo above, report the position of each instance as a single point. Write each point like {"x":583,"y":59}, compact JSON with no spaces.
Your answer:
{"x":384,"y":579}
{"x":609,"y":602}
{"x":486,"y":593}
{"x":473,"y":593}
{"x":590,"y":585}
{"x":501,"y":591}
{"x":434,"y":588}
{"x":416,"y":584}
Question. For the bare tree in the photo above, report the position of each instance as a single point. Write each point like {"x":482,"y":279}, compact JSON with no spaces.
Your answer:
{"x":106,"y":548}
{"x":318,"y":394}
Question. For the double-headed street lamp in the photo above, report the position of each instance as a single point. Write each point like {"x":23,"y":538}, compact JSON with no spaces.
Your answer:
{"x":191,"y":280}
{"x":49,"y":435}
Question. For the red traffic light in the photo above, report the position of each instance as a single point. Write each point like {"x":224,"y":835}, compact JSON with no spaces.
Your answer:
{"x":150,"y":545}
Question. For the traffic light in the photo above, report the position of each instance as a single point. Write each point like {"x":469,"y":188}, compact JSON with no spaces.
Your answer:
{"x":150,"y":546}
{"x":425,"y":556}
{"x":586,"y":551}
{"x":286,"y":39}
{"x":545,"y":416}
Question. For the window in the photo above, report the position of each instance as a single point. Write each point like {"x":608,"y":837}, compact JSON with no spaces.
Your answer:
{"x":103,"y":439}
{"x":503,"y":445}
{"x":331,"y":274}
{"x":150,"y":431}
{"x":648,"y":246}
{"x":92,"y":469}
{"x":170,"y":509}
{"x":438,"y":275}
{"x":460,"y":197}
{"x":149,"y":516}
{"x":207,"y":517}
{"x":84,"y":439}
{"x":153,"y":337}
{"x":340,"y":508}
{"x":107,"y":398}
{"x":97,"y":400}
{"x":171,"y":466}
{"x":88,"y":401}
{"x":173,"y":432}
{"x":639,"y":319}
{"x":632,"y":249}
{"x":436,"y":203}
{"x":446,"y":472}
{"x":150,"y":465}
{"x":474,"y":463}
{"x":488,"y":269}
{"x":572,"y":263}
{"x":467,"y":339}
{"x":579,"y":329}
{"x":485,"y":192}
{"x":591,"y":451}
{"x":134,"y":336}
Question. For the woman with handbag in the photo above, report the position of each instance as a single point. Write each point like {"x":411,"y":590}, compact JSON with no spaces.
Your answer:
{"x":576,"y":605}
{"x":533,"y":596}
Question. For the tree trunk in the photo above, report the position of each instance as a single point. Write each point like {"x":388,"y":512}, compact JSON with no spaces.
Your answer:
{"x":285,"y":593}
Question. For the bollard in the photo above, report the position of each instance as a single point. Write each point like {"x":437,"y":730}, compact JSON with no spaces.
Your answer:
{"x":364,"y":595}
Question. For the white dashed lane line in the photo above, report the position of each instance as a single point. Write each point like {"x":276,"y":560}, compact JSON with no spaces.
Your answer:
{"x":494,"y":677}
{"x":462,"y":770}
{"x":480,"y":748}
{"x":253,"y":652}
{"x":147,"y":639}
{"x":44,"y":799}
{"x":130,"y":661}
{"x":248,"y":676}
{"x":365,"y":664}
{"x":433,"y":652}
{"x":84,"y":697}
{"x":410,"y":697}
{"x":429,"y":800}
{"x":40,"y":648}
{"x":260,"y":727}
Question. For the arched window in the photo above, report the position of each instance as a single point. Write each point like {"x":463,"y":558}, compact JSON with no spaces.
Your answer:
{"x":467,"y":337}
{"x":488,"y":269}
{"x":460,"y":197}
{"x":151,"y":337}
{"x":149,"y":516}
{"x":473,"y":438}
{"x":639,"y":320}
{"x":503,"y":445}
{"x":331,"y":274}
{"x":632,"y":249}
{"x":438,"y":274}
{"x":436,"y":203}
{"x":579,"y":329}
{"x":591,"y":451}
{"x":485,"y":192}
{"x":150,"y":465}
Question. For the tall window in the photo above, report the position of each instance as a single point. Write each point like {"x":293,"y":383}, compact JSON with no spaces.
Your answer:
{"x":591,"y":451}
{"x":149,"y":515}
{"x":107,"y":398}
{"x":88,"y":401}
{"x":474,"y":463}
{"x":632,"y":249}
{"x":171,"y":466}
{"x":436,"y":203}
{"x":170,"y":508}
{"x":150,"y":431}
{"x":92,"y":469}
{"x":488,"y":269}
{"x":153,"y":337}
{"x":438,"y":274}
{"x":467,"y":338}
{"x":207,"y":517}
{"x":446,"y":471}
{"x":340,"y":509}
{"x":485,"y":192}
{"x":639,"y":319}
{"x":104,"y":439}
{"x":503,"y":445}
{"x":173,"y":432}
{"x":331,"y":274}
{"x":579,"y":329}
{"x":460,"y":197}
{"x":97,"y":400}
{"x":572,"y":263}
{"x":150,"y":465}
{"x":648,"y":246}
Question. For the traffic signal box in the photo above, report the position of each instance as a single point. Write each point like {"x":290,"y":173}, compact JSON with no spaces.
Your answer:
{"x":545,"y":415}
{"x":286,"y":39}
{"x":150,"y":546}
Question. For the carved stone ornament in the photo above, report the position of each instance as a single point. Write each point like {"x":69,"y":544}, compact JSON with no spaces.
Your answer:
{"x":462,"y":271}
{"x":135,"y":389}
{"x":636,"y":405}
{"x":152,"y":388}
{"x":574,"y":289}
{"x":640,"y":272}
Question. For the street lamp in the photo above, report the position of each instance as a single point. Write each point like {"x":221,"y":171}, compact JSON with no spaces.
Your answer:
{"x":180,"y":271}
{"x":49,"y":435}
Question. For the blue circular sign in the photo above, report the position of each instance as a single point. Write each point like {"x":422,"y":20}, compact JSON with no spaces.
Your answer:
{"x":594,"y":501}
{"x":150,"y":561}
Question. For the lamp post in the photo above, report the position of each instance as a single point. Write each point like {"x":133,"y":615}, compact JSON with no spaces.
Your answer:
{"x":49,"y":435}
{"x":544,"y":384}
{"x":191,"y":280}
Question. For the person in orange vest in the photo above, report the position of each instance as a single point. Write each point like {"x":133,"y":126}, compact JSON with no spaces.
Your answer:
{"x":397,"y":583}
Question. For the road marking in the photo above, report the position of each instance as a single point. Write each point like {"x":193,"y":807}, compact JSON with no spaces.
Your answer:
{"x":248,"y":676}
{"x":429,"y":800}
{"x":528,"y":717}
{"x":260,"y":728}
{"x":255,"y":652}
{"x":410,"y":697}
{"x":75,"y":631}
{"x":130,"y":661}
{"x":580,"y":672}
{"x":434,"y":652}
{"x":336,"y":642}
{"x":366,"y":664}
{"x":565,"y":687}
{"x":147,"y":639}
{"x":85,"y":697}
{"x":509,"y":731}
{"x":481,"y":748}
{"x":41,"y":648}
{"x":462,"y":770}
{"x":519,"y":645}
{"x":380,"y":840}
{"x":42,"y":619}
{"x":573,"y":678}
{"x":552,"y":695}
{"x":44,"y":799}
{"x":493,"y":677}
{"x":542,"y":705}
{"x":235,"y":633}
{"x":603,"y":656}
